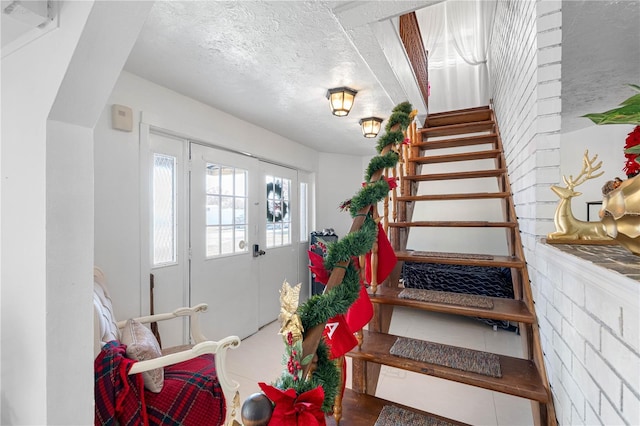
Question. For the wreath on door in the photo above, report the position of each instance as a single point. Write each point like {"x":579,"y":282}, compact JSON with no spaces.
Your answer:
{"x":276,"y":208}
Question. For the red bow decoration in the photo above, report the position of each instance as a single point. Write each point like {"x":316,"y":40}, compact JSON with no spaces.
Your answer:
{"x":391,"y":181}
{"x":297,"y":410}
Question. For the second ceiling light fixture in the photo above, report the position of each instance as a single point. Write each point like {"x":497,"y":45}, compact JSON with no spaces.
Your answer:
{"x":341,"y":101}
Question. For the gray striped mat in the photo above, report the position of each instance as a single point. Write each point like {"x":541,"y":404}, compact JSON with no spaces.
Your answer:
{"x":395,"y":416}
{"x":464,"y":359}
{"x":461,"y":299}
{"x":452,"y":255}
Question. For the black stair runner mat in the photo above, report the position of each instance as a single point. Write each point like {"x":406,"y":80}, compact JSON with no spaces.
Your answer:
{"x":465,"y":279}
{"x":452,"y":255}
{"x":446,"y":297}
{"x":464,"y":359}
{"x":396,"y":416}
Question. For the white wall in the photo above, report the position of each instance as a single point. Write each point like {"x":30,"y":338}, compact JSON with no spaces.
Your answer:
{"x":591,"y":327}
{"x":605,"y":141}
{"x":339,"y":178}
{"x":27,"y":96}
{"x":117,"y":174}
{"x":525,"y":76}
{"x":52,"y":90}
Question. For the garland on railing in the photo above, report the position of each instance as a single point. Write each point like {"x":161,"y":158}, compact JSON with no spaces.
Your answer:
{"x":337,"y":300}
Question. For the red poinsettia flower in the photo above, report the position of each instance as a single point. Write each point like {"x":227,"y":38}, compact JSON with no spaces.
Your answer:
{"x":631,"y":166}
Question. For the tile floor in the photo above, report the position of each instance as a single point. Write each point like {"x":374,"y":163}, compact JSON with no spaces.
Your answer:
{"x":259,"y":359}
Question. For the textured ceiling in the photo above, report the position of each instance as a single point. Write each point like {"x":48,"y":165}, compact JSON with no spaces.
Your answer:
{"x":271,"y":63}
{"x":600,"y":56}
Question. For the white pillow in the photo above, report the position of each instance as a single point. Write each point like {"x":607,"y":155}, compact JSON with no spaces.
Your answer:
{"x":104,"y":311}
{"x":142,"y":345}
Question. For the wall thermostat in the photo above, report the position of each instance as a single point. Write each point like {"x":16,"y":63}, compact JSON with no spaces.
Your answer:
{"x":122,"y":118}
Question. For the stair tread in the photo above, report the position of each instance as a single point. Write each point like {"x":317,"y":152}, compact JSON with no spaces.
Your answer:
{"x":359,"y":409}
{"x":458,"y":111}
{"x":474,"y":174}
{"x":460,"y":259}
{"x":463,"y":156}
{"x":454,"y":224}
{"x":455,"y":142}
{"x":455,"y":117}
{"x":457,"y":129}
{"x":519,"y":376}
{"x":458,"y":196}
{"x":503,"y":309}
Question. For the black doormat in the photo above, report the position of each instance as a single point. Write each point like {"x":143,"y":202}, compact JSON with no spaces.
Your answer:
{"x":447,"y":297}
{"x":464,"y":359}
{"x":395,"y":416}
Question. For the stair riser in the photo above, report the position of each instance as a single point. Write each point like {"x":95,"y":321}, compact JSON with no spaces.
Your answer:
{"x":459,"y":175}
{"x":456,"y":129}
{"x":436,"y":159}
{"x":457,"y":142}
{"x":453,"y":197}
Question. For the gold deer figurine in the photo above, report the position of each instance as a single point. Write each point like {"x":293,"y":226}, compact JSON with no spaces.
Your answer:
{"x":567,"y":226}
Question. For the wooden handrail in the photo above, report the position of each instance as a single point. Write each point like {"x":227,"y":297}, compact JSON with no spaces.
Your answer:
{"x":313,"y":335}
{"x":413,"y":45}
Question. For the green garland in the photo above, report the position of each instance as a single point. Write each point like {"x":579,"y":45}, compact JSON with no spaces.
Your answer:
{"x":320,"y":308}
{"x":394,"y":137}
{"x":390,"y":159}
{"x":370,"y":194}
{"x":404,"y":107}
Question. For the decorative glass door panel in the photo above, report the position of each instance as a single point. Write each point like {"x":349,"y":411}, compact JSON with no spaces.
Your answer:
{"x":278,"y":224}
{"x":226,"y":210}
{"x":168,"y":231}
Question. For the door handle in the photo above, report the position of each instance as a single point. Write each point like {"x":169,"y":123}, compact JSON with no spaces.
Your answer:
{"x":257,"y":252}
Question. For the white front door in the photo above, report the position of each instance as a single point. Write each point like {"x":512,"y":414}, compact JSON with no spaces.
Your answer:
{"x":228,"y":234}
{"x":279,"y":237}
{"x":224,"y":225}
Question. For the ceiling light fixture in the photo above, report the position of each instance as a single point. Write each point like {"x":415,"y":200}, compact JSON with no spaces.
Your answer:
{"x":341,"y":100}
{"x":370,"y":126}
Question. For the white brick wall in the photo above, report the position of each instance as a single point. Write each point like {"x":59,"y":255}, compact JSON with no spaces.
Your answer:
{"x":592,"y":358}
{"x":589,"y":317}
{"x":525,"y":73}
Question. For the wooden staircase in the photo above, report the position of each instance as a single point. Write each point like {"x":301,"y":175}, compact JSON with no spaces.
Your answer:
{"x":448,"y":141}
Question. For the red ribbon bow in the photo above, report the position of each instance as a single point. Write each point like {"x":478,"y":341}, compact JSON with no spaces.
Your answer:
{"x":292,"y":409}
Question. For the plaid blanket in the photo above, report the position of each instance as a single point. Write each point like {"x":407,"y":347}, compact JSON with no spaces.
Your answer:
{"x":191,"y":394}
{"x":119,"y":397}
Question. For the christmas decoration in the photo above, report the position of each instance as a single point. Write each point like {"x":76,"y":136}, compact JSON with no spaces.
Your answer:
{"x":296,"y":394}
